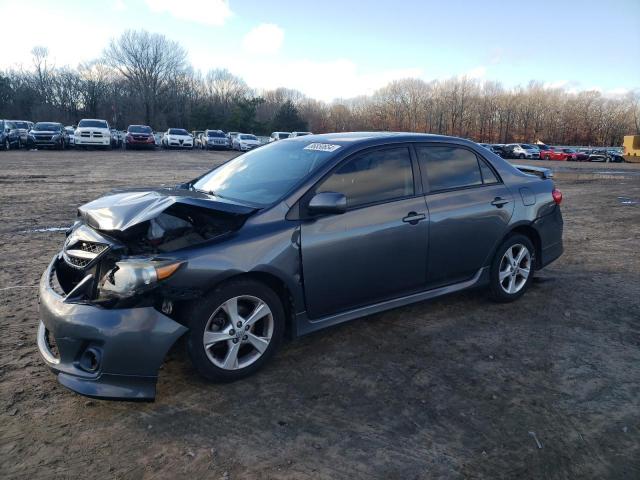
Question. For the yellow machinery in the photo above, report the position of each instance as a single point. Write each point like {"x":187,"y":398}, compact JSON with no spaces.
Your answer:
{"x":631,"y":148}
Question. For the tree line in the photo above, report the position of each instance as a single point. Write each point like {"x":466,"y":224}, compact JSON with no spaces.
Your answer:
{"x":145,"y":77}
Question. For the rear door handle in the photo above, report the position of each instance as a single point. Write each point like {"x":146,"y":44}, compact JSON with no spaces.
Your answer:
{"x":413,"y":218}
{"x":499,"y":202}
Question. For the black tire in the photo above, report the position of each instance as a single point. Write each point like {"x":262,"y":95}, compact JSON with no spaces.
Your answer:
{"x":199,"y":313}
{"x":496,"y":291}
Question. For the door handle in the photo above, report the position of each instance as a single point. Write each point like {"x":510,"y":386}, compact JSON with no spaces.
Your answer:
{"x":413,"y":218}
{"x":499,"y":202}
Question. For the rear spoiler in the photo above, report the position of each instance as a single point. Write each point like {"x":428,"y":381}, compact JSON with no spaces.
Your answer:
{"x":543,"y":173}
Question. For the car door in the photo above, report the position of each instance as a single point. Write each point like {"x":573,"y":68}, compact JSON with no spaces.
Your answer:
{"x":469,"y":209}
{"x":377,"y":249}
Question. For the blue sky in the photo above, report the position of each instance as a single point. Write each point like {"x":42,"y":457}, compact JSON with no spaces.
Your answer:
{"x":333,"y":48}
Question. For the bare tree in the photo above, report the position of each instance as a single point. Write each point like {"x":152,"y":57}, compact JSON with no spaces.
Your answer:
{"x":149,"y":61}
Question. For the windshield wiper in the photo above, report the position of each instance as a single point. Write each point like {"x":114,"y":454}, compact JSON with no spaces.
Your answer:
{"x":208,"y":192}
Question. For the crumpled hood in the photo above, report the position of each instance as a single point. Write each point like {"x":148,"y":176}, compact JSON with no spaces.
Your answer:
{"x":124,"y":209}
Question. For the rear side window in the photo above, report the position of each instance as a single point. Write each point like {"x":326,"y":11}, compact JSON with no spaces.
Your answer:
{"x":373,"y":177}
{"x":488,"y":176}
{"x":449,"y":167}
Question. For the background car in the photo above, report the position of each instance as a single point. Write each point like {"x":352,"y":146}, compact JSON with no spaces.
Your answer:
{"x":9,"y":135}
{"x":23,"y":127}
{"x":572,"y":156}
{"x":499,"y":149}
{"x":177,"y":138}
{"x":93,"y":132}
{"x":550,"y":153}
{"x":245,"y":142}
{"x":582,"y":155}
{"x":521,"y":150}
{"x":215,"y":139}
{"x":299,"y":134}
{"x":139,"y":136}
{"x":116,"y":138}
{"x":70,"y":135}
{"x":275,"y":136}
{"x":48,"y":135}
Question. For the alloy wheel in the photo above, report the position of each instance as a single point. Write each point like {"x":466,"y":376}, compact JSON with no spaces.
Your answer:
{"x":515,"y":268}
{"x":238,"y":332}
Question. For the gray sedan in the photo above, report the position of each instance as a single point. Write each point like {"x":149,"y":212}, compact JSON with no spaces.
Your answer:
{"x":285,"y":240}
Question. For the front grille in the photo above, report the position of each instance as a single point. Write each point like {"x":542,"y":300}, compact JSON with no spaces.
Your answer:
{"x":77,"y":262}
{"x":81,"y":253}
{"x":91,"y":247}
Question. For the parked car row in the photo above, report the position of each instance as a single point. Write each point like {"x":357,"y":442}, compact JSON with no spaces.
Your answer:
{"x":97,"y":133}
{"x":546,"y":152}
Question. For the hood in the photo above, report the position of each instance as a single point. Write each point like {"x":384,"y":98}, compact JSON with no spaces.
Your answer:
{"x":121,"y":210}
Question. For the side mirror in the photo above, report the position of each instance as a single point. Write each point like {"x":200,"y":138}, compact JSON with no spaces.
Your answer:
{"x":328,"y":202}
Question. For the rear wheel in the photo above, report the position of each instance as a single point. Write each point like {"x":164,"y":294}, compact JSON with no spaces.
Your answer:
{"x":235,"y":330}
{"x":512,"y":269}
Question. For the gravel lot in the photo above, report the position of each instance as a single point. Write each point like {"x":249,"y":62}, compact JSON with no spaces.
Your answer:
{"x":547,"y":387}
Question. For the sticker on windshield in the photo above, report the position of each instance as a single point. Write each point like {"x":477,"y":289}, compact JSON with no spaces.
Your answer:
{"x":322,"y":147}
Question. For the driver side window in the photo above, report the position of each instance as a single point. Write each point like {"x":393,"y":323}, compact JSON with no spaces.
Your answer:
{"x":373,"y":177}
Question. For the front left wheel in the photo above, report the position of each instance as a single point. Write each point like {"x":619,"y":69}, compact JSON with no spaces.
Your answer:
{"x":235,"y":330}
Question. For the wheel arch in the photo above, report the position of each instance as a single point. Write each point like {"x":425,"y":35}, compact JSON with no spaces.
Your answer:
{"x":275,"y":283}
{"x":529,"y":231}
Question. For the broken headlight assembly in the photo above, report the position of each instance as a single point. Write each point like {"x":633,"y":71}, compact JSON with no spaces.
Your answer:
{"x":133,"y":276}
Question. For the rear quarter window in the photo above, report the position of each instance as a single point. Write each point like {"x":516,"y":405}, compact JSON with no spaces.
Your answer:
{"x":448,"y":167}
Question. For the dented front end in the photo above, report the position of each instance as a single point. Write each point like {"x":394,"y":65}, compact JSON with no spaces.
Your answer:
{"x":107,"y":316}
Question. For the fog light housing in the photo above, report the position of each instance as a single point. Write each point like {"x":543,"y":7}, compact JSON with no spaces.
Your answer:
{"x":90,"y":360}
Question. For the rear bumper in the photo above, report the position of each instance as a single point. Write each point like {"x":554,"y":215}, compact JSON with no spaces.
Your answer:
{"x":104,"y":353}
{"x":550,"y":228}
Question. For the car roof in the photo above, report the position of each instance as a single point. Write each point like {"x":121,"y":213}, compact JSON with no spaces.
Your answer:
{"x":346,"y":139}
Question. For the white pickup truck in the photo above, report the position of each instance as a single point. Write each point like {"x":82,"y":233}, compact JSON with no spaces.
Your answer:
{"x":92,"y":132}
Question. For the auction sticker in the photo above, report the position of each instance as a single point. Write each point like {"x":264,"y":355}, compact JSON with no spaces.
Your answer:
{"x":322,"y":147}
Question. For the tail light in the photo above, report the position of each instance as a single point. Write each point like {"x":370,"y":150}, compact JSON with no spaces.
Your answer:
{"x":557,"y":196}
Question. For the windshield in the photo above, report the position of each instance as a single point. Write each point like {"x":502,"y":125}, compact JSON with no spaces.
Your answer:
{"x":47,"y":126}
{"x":93,"y":124}
{"x":139,"y":129}
{"x":178,"y":131}
{"x":248,"y":137}
{"x":263,"y":176}
{"x":216,"y":134}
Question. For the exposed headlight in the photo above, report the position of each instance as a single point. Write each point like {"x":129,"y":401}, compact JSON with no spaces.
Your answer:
{"x":131,"y":276}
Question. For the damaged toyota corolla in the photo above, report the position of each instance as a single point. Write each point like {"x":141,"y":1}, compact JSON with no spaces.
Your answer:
{"x":287,"y":239}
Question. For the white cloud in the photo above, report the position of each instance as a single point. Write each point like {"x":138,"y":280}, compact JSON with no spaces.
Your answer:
{"x":209,"y":12}
{"x":67,"y":46}
{"x":322,"y":80}
{"x":266,"y":38}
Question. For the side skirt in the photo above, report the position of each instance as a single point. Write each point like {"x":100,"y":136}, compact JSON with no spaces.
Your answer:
{"x":305,"y":325}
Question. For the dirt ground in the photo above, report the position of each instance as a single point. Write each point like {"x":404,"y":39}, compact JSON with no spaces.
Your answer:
{"x":547,"y":387}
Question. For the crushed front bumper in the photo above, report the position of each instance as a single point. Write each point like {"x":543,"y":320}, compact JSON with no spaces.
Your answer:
{"x":104,"y":353}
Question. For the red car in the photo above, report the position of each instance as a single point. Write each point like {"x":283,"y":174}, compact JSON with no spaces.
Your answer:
{"x":550,"y":153}
{"x":139,"y":136}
